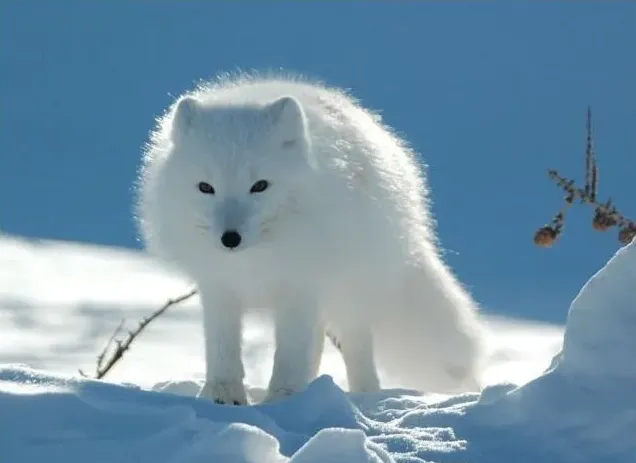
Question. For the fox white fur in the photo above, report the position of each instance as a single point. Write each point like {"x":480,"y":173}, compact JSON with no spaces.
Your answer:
{"x":341,"y":241}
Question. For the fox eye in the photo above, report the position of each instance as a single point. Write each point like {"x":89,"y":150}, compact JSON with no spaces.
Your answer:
{"x":206,"y":188}
{"x":259,"y":186}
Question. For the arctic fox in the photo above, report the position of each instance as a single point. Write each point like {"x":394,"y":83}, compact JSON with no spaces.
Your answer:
{"x":284,"y":194}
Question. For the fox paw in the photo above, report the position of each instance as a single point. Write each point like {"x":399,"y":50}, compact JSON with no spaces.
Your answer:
{"x":274,"y":395}
{"x":224,"y":392}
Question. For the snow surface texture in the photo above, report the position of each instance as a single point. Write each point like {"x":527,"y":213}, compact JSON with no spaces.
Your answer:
{"x":582,"y":409}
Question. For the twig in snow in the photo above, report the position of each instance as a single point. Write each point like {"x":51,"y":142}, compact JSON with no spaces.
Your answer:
{"x":110,"y":355}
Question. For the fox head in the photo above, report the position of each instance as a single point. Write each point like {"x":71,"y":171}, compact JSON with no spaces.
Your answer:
{"x":233,"y":170}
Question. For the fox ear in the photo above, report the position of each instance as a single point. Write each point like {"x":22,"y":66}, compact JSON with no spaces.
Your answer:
{"x":288,"y":117}
{"x":185,"y":114}
{"x":289,"y":125}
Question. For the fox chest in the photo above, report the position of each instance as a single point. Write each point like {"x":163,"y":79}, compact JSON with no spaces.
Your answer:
{"x":263,"y":280}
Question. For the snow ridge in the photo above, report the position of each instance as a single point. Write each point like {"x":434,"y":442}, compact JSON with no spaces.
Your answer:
{"x":581,"y":409}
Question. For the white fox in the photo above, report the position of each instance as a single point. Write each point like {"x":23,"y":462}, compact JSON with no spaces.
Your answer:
{"x":280,"y":193}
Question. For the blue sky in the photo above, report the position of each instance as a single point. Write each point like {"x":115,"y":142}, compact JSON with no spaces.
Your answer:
{"x":491,"y":94}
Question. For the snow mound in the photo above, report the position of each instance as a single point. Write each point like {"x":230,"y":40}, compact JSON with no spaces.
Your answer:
{"x":600,"y":340}
{"x":582,"y":409}
{"x":62,"y":419}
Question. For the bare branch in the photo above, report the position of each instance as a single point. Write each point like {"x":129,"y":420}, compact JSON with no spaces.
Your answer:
{"x":115,"y":348}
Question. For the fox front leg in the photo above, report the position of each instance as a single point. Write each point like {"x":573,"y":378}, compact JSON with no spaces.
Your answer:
{"x":222,"y":327}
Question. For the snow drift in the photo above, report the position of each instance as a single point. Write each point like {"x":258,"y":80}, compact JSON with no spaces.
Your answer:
{"x":582,"y":409}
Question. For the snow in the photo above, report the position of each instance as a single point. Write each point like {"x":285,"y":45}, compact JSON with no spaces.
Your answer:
{"x":59,"y":302}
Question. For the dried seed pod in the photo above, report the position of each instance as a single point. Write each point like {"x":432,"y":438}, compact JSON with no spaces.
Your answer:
{"x":545,"y":236}
{"x":606,"y":215}
{"x":626,"y":234}
{"x":602,"y":221}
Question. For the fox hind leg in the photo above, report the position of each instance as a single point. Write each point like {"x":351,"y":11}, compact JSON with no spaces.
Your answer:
{"x":355,"y":343}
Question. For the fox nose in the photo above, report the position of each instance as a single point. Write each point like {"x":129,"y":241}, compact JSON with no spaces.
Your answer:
{"x":231,"y":239}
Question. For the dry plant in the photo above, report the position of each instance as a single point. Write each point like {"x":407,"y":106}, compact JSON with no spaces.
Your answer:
{"x":606,"y":215}
{"x":115,"y":348}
